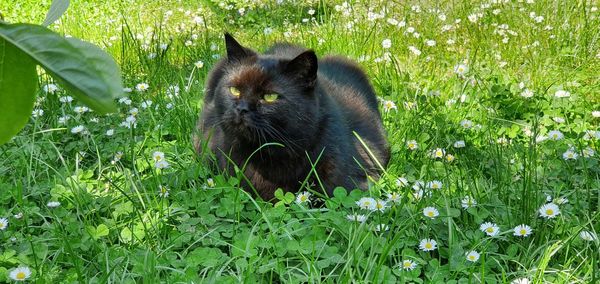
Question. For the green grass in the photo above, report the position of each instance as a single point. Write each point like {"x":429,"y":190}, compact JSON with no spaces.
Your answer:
{"x":113,"y":224}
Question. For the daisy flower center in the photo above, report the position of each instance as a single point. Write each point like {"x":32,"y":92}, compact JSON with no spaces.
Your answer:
{"x":549,"y":211}
{"x":523,"y":231}
{"x":428,"y":245}
{"x":21,"y":275}
{"x":430,"y":214}
{"x":489,"y":230}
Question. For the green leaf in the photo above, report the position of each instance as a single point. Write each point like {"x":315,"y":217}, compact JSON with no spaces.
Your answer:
{"x":17,"y":90}
{"x":289,"y":197}
{"x":84,"y":69}
{"x":279,"y":194}
{"x":57,"y":9}
{"x":101,"y":231}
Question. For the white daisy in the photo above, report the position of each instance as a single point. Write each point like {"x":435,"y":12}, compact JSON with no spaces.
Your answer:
{"x":461,"y":69}
{"x":588,"y":152}
{"x":380,"y":205}
{"x":472,"y":256}
{"x":430,"y":212}
{"x":78,"y":129}
{"x":158,"y":156}
{"x":386,"y":43}
{"x":303,"y":197}
{"x":37,"y":113}
{"x":50,"y":88}
{"x":549,"y":210}
{"x":466,"y":123}
{"x":146,"y":104}
{"x":570,"y":154}
{"x":393,"y":197}
{"x":367,"y":203}
{"x":81,"y":109}
{"x":412,"y":145}
{"x":467,"y":202}
{"x":20,"y":273}
{"x":408,"y":265}
{"x":459,"y":144}
{"x":436,"y":184}
{"x":163,"y":191}
{"x":555,"y":135}
{"x":3,"y":224}
{"x":211,"y":183}
{"x":562,"y":94}
{"x":389,"y":105}
{"x":490,"y":229}
{"x":522,"y":230}
{"x":427,"y":245}
{"x":401,"y":182}
{"x":520,"y":281}
{"x":357,"y":218}
{"x":527,"y":93}
{"x":142,"y":87}
{"x":438,"y":153}
{"x":381,"y":228}
{"x":163,"y":164}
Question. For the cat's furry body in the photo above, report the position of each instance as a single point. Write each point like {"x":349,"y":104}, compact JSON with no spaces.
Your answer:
{"x":314,"y":117}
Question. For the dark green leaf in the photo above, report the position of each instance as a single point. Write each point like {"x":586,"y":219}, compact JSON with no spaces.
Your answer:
{"x":17,"y":90}
{"x":84,"y":69}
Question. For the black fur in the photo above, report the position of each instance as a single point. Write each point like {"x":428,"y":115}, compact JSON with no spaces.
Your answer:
{"x":321,"y":102}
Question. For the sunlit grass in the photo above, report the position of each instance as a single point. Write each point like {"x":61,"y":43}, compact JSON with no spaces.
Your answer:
{"x":492,"y":112}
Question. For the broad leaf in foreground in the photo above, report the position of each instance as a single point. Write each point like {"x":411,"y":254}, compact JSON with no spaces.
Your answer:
{"x":18,"y":82}
{"x":85,"y":70}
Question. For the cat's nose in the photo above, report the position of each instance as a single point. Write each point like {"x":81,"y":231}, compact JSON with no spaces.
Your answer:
{"x":242,"y":107}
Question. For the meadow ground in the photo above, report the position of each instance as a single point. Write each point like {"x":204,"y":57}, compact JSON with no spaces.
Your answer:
{"x":492,"y":110}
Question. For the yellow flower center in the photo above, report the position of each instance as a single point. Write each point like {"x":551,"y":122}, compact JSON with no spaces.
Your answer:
{"x":428,"y":245}
{"x":549,"y":212}
{"x":434,"y":186}
{"x":471,"y":257}
{"x":2,"y":225}
{"x":20,"y":275}
{"x":430,"y":213}
{"x":490,"y":230}
{"x":406,"y":264}
{"x":523,"y":231}
{"x":379,"y":205}
{"x":303,"y":198}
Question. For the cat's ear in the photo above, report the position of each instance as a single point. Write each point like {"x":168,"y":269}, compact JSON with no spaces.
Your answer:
{"x":303,"y":67}
{"x":235,"y":51}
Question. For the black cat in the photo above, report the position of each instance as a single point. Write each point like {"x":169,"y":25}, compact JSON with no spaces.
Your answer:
{"x":310,"y":106}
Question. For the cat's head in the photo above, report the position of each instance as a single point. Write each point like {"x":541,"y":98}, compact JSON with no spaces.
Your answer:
{"x":267,"y":97}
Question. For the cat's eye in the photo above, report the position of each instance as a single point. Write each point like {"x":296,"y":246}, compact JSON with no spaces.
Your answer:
{"x":234,"y":91}
{"x":269,"y":98}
